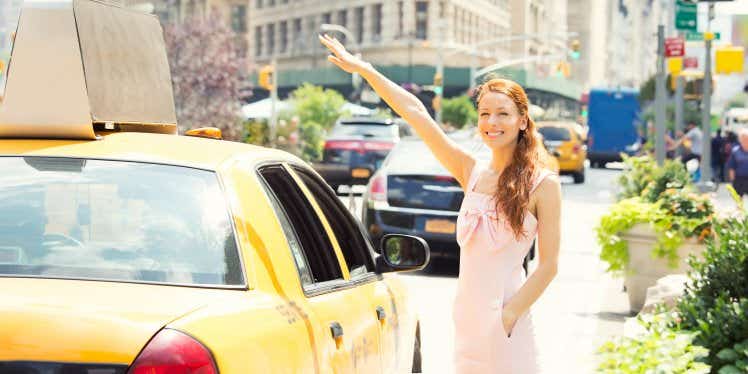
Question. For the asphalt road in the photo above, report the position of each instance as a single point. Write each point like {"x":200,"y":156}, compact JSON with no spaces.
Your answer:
{"x":581,"y":309}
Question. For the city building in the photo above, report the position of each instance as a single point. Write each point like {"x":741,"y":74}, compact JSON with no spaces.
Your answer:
{"x":632,"y":40}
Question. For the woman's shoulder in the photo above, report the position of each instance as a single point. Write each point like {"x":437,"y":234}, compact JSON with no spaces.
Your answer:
{"x":545,"y":178}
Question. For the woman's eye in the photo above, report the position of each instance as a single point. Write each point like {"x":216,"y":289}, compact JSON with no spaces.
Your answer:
{"x":483,"y":114}
{"x":503,"y":114}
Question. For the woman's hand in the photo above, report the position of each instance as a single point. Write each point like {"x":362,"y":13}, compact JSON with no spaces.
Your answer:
{"x":341,"y":57}
{"x":509,"y":319}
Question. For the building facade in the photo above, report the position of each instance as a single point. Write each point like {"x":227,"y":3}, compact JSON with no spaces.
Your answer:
{"x":390,"y":33}
{"x":632,"y":40}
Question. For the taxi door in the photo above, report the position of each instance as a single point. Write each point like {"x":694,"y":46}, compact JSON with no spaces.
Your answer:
{"x":367,"y":293}
{"x":342,"y":325}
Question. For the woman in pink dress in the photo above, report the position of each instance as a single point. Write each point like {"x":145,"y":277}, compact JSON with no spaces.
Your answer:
{"x":508,"y":202}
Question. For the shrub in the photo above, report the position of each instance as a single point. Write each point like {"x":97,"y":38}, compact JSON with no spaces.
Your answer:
{"x":657,"y":350}
{"x":716,"y":300}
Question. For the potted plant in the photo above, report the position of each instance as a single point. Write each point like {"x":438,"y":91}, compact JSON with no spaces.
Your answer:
{"x":658,"y":223}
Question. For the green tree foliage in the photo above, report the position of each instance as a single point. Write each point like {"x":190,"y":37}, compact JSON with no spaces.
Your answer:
{"x":315,"y":104}
{"x":459,"y":111}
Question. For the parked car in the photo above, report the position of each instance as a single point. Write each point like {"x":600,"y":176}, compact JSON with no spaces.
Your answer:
{"x":563,"y":141}
{"x":355,"y":148}
{"x":412,"y":193}
{"x":123,"y":250}
{"x":611,"y":119}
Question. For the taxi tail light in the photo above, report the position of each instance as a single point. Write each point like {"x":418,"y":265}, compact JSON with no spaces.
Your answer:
{"x":577,"y":148}
{"x":378,"y":187}
{"x":173,"y":352}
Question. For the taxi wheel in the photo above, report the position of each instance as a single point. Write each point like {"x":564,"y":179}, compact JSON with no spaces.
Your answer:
{"x":417,"y":351}
{"x":578,"y":177}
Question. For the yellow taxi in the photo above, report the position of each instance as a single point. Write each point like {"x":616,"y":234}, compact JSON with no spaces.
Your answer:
{"x":126,"y":248}
{"x":565,"y":142}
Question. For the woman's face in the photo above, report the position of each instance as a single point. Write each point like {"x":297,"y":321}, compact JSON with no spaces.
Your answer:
{"x":499,"y":120}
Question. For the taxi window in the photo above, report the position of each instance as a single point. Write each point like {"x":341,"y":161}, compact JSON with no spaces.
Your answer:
{"x":307,"y":232}
{"x":555,"y":133}
{"x":349,"y":236}
{"x":115,"y":220}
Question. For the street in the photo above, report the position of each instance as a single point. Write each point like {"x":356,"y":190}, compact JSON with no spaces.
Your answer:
{"x":583,"y":307}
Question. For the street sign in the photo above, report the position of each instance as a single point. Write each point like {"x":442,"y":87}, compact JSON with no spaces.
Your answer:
{"x":674,"y":47}
{"x":685,"y":15}
{"x":693,"y":36}
{"x":690,"y":63}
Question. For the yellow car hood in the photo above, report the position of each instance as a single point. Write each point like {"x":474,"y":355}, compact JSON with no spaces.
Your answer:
{"x":88,"y":321}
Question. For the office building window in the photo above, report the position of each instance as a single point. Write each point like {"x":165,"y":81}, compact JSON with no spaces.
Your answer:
{"x":239,"y":18}
{"x":400,"y":19}
{"x":376,"y":26}
{"x":258,"y":41}
{"x":422,"y":8}
{"x":258,"y":4}
{"x":271,"y":39}
{"x":359,"y":24}
{"x":327,"y":18}
{"x":343,"y":21}
{"x":283,"y":36}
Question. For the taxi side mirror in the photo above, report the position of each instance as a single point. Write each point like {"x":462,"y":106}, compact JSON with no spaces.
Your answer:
{"x":402,"y":253}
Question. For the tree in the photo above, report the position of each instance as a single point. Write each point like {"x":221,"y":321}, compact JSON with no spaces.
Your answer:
{"x":206,"y":73}
{"x":459,"y":111}
{"x":314,"y":104}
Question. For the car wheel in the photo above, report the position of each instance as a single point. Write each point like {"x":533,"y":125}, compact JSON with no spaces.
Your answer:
{"x":417,"y":351}
{"x":578,"y":177}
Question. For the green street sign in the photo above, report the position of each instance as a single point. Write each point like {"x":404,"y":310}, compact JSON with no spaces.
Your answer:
{"x":698,"y":36}
{"x":685,"y":15}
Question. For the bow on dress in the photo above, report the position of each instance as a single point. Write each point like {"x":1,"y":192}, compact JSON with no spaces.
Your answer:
{"x":472,"y":223}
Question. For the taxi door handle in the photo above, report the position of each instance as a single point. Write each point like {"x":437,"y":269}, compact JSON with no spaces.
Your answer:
{"x":336,"y":330}
{"x":381,"y":315}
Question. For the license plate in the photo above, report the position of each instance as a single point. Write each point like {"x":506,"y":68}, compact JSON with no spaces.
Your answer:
{"x":360,"y":173}
{"x":441,"y":226}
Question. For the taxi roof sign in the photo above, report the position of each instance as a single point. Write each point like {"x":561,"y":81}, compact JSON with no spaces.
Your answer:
{"x":80,"y":63}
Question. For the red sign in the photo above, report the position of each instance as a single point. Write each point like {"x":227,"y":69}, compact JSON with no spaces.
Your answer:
{"x":674,"y":47}
{"x":690,"y":63}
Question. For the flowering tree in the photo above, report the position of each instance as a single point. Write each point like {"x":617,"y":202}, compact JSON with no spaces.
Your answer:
{"x":206,"y":73}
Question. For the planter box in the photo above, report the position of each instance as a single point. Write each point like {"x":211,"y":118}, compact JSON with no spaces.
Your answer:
{"x":644,"y":270}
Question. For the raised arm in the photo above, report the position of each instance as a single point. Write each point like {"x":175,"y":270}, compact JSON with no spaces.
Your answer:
{"x":458,"y":162}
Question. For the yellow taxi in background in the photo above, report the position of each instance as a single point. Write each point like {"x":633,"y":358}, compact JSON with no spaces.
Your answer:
{"x":126,"y":248}
{"x":564,"y":141}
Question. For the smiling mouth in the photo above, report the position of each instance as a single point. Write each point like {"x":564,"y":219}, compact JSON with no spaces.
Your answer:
{"x":493,"y":134}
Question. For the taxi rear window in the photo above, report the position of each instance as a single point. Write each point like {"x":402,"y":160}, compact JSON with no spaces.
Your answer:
{"x":555,"y":133}
{"x":115,"y":220}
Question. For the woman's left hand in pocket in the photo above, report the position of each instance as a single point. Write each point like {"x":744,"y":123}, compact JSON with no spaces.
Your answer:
{"x":509,"y":319}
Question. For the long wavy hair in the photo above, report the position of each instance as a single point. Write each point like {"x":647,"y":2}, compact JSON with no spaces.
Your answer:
{"x":512,"y":193}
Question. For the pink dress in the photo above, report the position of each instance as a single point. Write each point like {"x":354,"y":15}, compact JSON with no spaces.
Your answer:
{"x":490,"y":274}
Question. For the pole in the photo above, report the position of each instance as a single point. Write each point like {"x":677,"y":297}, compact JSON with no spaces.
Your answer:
{"x":440,"y":69}
{"x":273,"y":100}
{"x":660,"y":98}
{"x":706,"y":126}
{"x":679,"y":89}
{"x":473,"y":67}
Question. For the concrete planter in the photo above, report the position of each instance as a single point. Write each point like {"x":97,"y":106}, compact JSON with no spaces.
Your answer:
{"x":644,"y":270}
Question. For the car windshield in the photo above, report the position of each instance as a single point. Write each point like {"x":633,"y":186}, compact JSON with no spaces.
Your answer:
{"x":115,"y":220}
{"x":365,"y":130}
{"x":555,"y":133}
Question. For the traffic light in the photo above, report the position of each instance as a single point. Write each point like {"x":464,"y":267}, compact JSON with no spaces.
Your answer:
{"x":438,"y":83}
{"x":265,"y":79}
{"x":575,"y":46}
{"x":729,"y":60}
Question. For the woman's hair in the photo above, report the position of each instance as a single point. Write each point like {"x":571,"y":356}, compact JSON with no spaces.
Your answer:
{"x":515,"y":182}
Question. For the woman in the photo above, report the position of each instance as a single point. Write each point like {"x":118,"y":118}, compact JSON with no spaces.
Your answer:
{"x":507,"y":202}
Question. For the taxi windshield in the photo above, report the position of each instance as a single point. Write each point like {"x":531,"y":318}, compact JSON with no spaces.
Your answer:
{"x":115,"y":220}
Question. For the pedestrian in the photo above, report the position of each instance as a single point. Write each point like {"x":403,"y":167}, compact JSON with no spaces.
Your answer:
{"x":508,"y":201}
{"x":737,"y":165}
{"x":717,"y":160}
{"x":692,"y":142}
